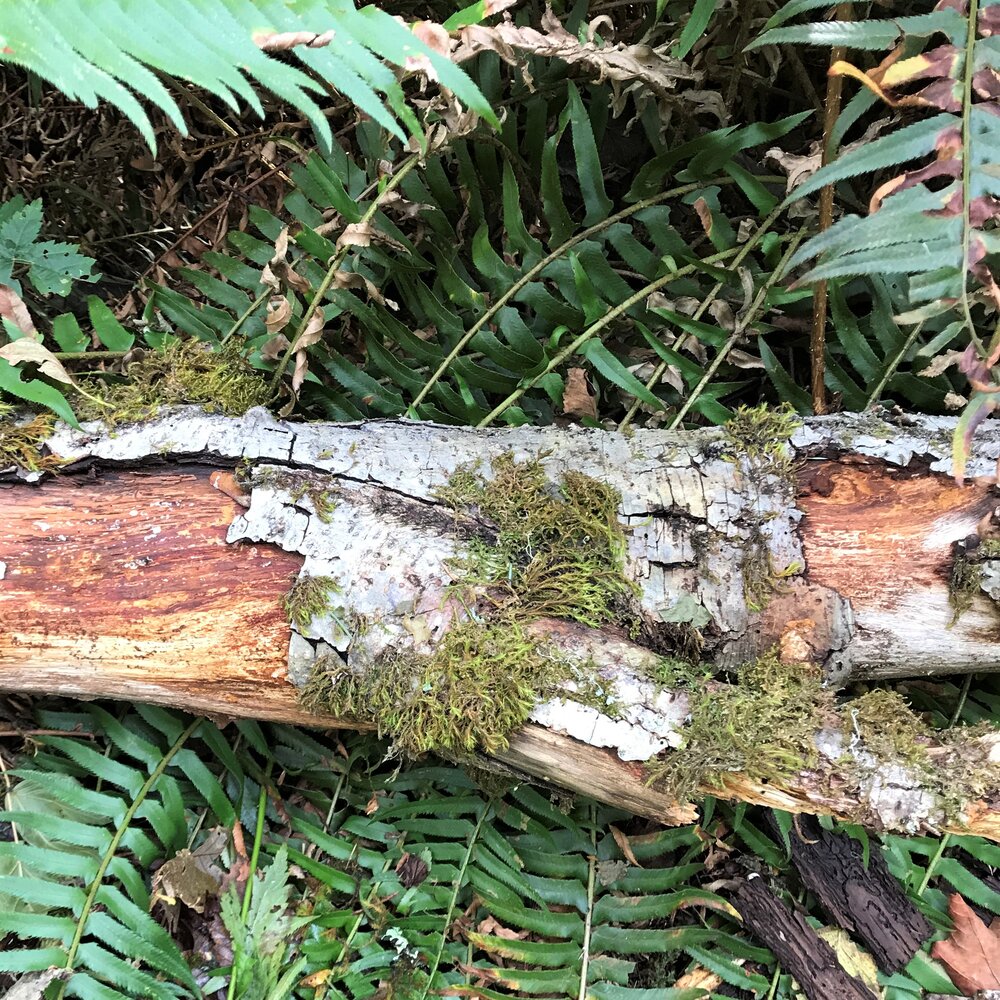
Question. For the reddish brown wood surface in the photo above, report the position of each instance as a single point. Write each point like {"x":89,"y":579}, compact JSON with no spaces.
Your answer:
{"x":881,"y":536}
{"x":878,"y":533}
{"x":123,"y":585}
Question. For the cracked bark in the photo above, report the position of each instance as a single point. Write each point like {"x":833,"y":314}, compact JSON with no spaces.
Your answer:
{"x":139,"y":573}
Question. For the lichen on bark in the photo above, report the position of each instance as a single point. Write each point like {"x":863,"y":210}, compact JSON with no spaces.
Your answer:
{"x":538,"y":550}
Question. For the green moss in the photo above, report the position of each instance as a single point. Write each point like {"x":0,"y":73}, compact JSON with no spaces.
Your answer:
{"x":555,"y":552}
{"x":309,"y":598}
{"x":760,"y":435}
{"x":220,"y":379}
{"x":758,"y":438}
{"x":322,"y":500}
{"x":763,"y":726}
{"x":544,"y":551}
{"x":674,"y":673}
{"x":21,"y":441}
{"x":478,"y":686}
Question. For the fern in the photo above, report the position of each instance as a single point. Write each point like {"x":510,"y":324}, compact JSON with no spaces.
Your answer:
{"x":86,"y":48}
{"x":74,"y":883}
{"x":933,"y":224}
{"x":48,"y":266}
{"x":487,"y":306}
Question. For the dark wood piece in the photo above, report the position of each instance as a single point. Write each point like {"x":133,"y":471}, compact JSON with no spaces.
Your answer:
{"x":867,"y":902}
{"x":799,"y":949}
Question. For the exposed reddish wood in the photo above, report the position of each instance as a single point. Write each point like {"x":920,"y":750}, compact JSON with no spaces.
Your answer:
{"x":881,"y":536}
{"x":869,"y":524}
{"x":124,"y":585}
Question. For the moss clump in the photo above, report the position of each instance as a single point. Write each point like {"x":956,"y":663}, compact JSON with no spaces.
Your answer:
{"x":548,"y":551}
{"x":760,"y":435}
{"x":21,"y":441}
{"x":672,"y":673}
{"x":764,"y":727}
{"x":478,"y":686}
{"x":556,"y":551}
{"x":220,"y":379}
{"x":309,"y":598}
{"x":967,"y":576}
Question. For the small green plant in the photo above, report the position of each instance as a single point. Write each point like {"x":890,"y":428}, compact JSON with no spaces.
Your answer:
{"x":309,"y":598}
{"x":47,"y":266}
{"x":263,"y":932}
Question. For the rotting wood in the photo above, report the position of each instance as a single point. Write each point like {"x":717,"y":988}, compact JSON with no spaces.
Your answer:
{"x":121,"y":583}
{"x":799,"y":949}
{"x":859,"y":895}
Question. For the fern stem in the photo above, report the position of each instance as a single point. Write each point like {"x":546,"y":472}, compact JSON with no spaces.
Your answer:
{"x":962,"y":698}
{"x":748,"y":317}
{"x":254,"y":858}
{"x":453,"y":902}
{"x":109,"y":854}
{"x":932,"y":867}
{"x":589,"y":921}
{"x":599,"y":325}
{"x":890,"y":369}
{"x":968,"y":72}
{"x":831,"y":112}
{"x":245,"y":315}
{"x":531,"y":274}
{"x":335,"y":262}
{"x":704,"y":304}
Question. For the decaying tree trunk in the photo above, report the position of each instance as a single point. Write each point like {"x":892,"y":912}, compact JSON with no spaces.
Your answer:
{"x":146,"y":571}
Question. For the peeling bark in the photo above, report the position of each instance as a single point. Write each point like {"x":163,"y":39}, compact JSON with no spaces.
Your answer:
{"x":144,"y":571}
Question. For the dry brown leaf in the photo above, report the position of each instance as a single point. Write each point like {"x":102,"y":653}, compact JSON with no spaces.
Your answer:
{"x":577,"y":400}
{"x":434,"y":36}
{"x":701,"y":979}
{"x":971,"y":953}
{"x":495,"y":929}
{"x":704,"y":215}
{"x":624,"y":846}
{"x":351,"y":279}
{"x":279,"y":312}
{"x":32,"y":351}
{"x":12,"y":308}
{"x":312,"y":334}
{"x":282,"y":41}
{"x":278,"y":273}
{"x":191,"y":876}
{"x":941,"y":363}
{"x":618,"y":63}
{"x":275,"y":347}
{"x":798,"y":168}
{"x":357,"y":234}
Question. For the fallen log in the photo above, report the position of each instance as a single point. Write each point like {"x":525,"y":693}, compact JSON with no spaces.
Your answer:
{"x":345,"y":556}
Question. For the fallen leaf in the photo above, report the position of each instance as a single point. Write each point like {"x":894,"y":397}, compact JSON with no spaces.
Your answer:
{"x":35,"y":353}
{"x":33,"y":986}
{"x":704,"y":215}
{"x":624,"y":846}
{"x":577,"y":399}
{"x":279,"y":312}
{"x":12,"y":307}
{"x":411,"y":869}
{"x":357,"y":234}
{"x":971,"y":953}
{"x":191,"y":876}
